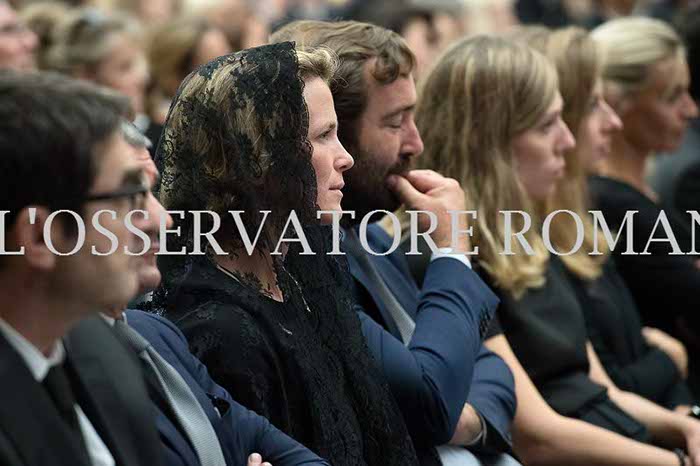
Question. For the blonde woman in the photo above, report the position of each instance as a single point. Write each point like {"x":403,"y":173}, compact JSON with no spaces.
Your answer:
{"x":653,"y":367}
{"x":646,"y":81}
{"x":102,"y":47}
{"x":512,"y":159}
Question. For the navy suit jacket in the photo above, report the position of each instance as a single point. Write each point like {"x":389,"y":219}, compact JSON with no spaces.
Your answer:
{"x":240,"y":431}
{"x":445,"y":363}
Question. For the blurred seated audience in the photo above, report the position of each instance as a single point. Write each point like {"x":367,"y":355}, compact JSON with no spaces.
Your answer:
{"x":644,"y":361}
{"x":512,"y":160}
{"x":103,"y":47}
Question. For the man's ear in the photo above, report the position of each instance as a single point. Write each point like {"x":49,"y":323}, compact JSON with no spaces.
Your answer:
{"x":28,"y":232}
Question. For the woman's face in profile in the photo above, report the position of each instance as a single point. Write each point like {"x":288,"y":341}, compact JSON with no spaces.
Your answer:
{"x":655,"y":118}
{"x":330,"y":159}
{"x":594,"y":138}
{"x":538,"y":153}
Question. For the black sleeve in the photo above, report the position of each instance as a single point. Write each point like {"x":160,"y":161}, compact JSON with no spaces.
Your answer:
{"x":495,"y":328}
{"x":687,"y":194}
{"x":249,"y":432}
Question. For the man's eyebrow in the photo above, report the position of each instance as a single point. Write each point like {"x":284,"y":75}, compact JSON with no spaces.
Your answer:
{"x":134,"y":176}
{"x":399,"y":111}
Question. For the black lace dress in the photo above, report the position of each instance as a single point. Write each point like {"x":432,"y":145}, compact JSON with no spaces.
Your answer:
{"x":282,"y":366}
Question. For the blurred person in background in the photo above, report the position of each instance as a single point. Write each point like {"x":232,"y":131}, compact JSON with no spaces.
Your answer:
{"x":646,"y":81}
{"x":148,"y":12}
{"x":245,"y":26}
{"x":175,"y":49}
{"x":17,"y":42}
{"x":428,"y":26}
{"x":41,"y":18}
{"x":106,"y":48}
{"x":676,"y":177}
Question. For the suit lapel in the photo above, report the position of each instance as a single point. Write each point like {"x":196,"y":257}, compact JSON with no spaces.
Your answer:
{"x":110,"y":389}
{"x":29,"y":419}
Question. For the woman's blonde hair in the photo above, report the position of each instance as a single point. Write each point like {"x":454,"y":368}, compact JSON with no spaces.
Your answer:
{"x":482,"y":93}
{"x":631,"y":46}
{"x":83,"y":39}
{"x":313,"y":63}
{"x":578,"y":62}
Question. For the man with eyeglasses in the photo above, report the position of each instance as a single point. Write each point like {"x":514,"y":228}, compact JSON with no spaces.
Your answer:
{"x":17,"y":42}
{"x":71,"y":394}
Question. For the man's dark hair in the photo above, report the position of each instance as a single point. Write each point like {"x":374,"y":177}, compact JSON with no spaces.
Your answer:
{"x":355,"y":44}
{"x":50,"y":130}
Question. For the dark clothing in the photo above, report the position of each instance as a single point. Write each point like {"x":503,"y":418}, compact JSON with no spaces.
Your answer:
{"x":292,"y":362}
{"x":615,"y":330}
{"x":676,"y":177}
{"x":108,"y":386}
{"x":664,"y":286}
{"x":547,"y":332}
{"x":444,"y":364}
{"x":240,"y":431}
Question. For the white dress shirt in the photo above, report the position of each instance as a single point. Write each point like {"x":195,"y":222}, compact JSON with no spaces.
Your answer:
{"x":39,"y":366}
{"x":449,"y":253}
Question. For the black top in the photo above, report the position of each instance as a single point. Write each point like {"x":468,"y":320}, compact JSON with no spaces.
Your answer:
{"x":306,"y":369}
{"x":615,"y":330}
{"x":547,"y":332}
{"x":663,"y":285}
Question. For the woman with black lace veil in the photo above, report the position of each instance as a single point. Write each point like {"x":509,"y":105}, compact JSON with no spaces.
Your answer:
{"x":255,"y":132}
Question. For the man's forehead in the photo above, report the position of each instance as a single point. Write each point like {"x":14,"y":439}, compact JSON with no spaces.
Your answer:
{"x":394,"y":97}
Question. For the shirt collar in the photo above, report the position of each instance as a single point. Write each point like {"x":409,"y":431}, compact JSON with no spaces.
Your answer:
{"x":35,"y":360}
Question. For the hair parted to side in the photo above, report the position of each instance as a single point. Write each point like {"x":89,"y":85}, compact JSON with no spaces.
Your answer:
{"x":579,"y":65}
{"x":84,"y":38}
{"x":467,"y":140}
{"x":630,"y":46}
{"x":320,"y":62}
{"x":355,"y":44}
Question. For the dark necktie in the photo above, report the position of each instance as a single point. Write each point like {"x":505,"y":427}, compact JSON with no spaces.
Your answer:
{"x":59,"y":389}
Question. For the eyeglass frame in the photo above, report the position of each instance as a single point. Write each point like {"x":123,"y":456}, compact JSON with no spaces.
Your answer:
{"x":130,"y":191}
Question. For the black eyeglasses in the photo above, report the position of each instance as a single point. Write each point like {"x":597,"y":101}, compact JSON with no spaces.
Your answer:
{"x":136,"y":194}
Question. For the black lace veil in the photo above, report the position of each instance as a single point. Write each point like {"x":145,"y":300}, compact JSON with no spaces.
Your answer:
{"x":246,"y":149}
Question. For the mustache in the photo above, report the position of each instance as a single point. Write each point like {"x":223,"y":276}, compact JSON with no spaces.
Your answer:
{"x":402,"y":166}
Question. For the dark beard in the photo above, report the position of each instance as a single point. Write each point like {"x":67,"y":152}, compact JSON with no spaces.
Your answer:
{"x":365,"y":185}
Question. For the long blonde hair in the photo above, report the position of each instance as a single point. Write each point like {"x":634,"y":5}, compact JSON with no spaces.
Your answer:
{"x":481,"y":94}
{"x":578,"y":61}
